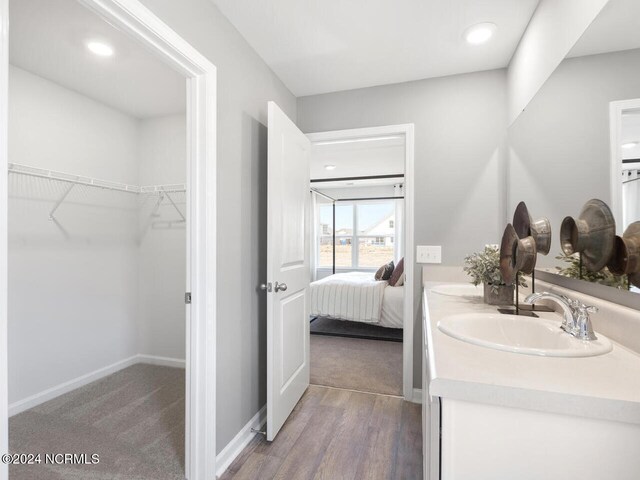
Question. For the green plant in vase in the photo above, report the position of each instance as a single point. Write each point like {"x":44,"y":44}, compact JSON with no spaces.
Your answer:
{"x":603,"y":277}
{"x":484,"y":267}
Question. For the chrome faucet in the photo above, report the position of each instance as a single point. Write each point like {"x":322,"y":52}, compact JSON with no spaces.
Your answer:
{"x":585,"y":329}
{"x":576,"y":319}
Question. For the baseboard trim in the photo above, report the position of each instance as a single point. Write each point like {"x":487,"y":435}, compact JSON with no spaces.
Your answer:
{"x":162,"y":361}
{"x":53,"y":392}
{"x":417,"y":395}
{"x":240,"y":441}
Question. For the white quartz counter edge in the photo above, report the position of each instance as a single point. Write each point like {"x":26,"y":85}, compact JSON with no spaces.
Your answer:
{"x":605,"y":387}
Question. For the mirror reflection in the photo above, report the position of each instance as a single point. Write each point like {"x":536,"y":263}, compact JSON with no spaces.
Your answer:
{"x":630,"y":161}
{"x":579,"y":138}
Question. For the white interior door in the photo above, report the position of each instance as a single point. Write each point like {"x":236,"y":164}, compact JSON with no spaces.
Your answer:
{"x":288,"y":272}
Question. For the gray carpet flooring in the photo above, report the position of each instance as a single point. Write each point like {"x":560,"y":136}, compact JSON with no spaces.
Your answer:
{"x":133,"y":419}
{"x":365,"y":365}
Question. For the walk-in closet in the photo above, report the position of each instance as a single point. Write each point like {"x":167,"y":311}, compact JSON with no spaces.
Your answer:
{"x":97,"y":248}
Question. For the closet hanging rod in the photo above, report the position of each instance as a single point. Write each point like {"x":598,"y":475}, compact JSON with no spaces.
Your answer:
{"x":172,"y":188}
{"x":91,"y":182}
{"x":69,"y":178}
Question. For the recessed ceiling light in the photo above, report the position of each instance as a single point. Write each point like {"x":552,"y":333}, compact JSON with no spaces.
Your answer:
{"x":480,"y":33}
{"x":630,"y":145}
{"x":329,"y":167}
{"x":101,"y":49}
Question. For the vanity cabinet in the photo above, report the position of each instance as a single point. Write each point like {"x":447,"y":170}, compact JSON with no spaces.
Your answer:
{"x":487,"y":442}
{"x":430,"y":409}
{"x":490,"y":415}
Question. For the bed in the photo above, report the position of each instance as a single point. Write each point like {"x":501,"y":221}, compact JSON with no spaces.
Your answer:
{"x":358,"y":297}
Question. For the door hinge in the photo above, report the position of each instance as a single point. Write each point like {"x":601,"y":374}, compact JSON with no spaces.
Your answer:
{"x":187,"y":298}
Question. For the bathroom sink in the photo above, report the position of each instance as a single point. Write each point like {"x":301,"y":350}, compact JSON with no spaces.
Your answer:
{"x":512,"y":333}
{"x":459,"y":290}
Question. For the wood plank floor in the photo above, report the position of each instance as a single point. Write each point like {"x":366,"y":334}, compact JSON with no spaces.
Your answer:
{"x":336,"y":434}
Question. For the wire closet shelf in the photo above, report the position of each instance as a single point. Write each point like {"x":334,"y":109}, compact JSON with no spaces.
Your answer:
{"x":162,"y":192}
{"x":93,"y":182}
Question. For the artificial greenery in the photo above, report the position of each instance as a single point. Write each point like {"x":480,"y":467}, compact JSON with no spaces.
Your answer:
{"x":484,"y":267}
{"x":604,"y":276}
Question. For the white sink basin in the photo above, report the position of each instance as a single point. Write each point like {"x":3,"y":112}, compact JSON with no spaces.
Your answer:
{"x":459,"y":290}
{"x":511,"y":333}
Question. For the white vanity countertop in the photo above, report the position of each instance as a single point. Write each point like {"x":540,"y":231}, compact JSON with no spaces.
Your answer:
{"x":605,"y":387}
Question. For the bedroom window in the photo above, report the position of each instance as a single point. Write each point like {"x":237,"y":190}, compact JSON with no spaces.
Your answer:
{"x":344,"y":236}
{"x":374,"y":233}
{"x":365,"y":234}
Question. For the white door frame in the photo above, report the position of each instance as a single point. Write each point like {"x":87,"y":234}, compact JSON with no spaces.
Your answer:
{"x":407,"y":130}
{"x":616,"y":109}
{"x":200,"y":408}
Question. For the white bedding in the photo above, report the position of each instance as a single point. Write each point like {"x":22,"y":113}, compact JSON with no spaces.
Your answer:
{"x":392,"y":314}
{"x":358,"y":297}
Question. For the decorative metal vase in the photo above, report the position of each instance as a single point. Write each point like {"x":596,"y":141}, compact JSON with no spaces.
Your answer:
{"x":498,"y":295}
{"x":592,"y":234}
{"x":626,"y":255}
{"x":539,"y":229}
{"x":516,"y":255}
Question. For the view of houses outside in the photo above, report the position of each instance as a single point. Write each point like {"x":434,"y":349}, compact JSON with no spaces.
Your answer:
{"x":374,"y":227}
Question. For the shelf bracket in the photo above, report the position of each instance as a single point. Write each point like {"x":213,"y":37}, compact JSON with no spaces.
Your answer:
{"x":154,"y":212}
{"x":59,"y":202}
{"x":59,"y":225}
{"x":175,"y":206}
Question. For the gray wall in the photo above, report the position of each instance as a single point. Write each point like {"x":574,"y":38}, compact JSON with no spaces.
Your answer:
{"x":460,"y":128}
{"x":162,"y":151}
{"x":245,"y":84}
{"x":72,"y":301}
{"x":559,"y":147}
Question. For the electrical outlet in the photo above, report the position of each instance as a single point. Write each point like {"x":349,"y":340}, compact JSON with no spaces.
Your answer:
{"x":429,"y":254}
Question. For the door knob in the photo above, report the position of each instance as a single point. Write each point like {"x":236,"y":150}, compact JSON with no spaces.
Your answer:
{"x":280,"y":287}
{"x":266,"y":286}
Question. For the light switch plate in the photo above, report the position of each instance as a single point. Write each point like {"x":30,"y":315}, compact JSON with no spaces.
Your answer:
{"x":429,"y":254}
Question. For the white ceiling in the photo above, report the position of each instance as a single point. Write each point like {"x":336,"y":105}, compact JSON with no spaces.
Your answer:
{"x":319,"y":46}
{"x":48,"y":38}
{"x":616,"y":28}
{"x":361,"y":158}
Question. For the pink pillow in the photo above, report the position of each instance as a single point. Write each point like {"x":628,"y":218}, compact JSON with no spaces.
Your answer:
{"x":397,"y":273}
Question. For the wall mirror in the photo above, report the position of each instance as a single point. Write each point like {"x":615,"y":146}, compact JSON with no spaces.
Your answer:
{"x":579,"y":138}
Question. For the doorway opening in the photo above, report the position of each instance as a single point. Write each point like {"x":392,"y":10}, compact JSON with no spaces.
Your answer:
{"x":109,"y":222}
{"x":294,"y":406}
{"x":362,"y":259}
